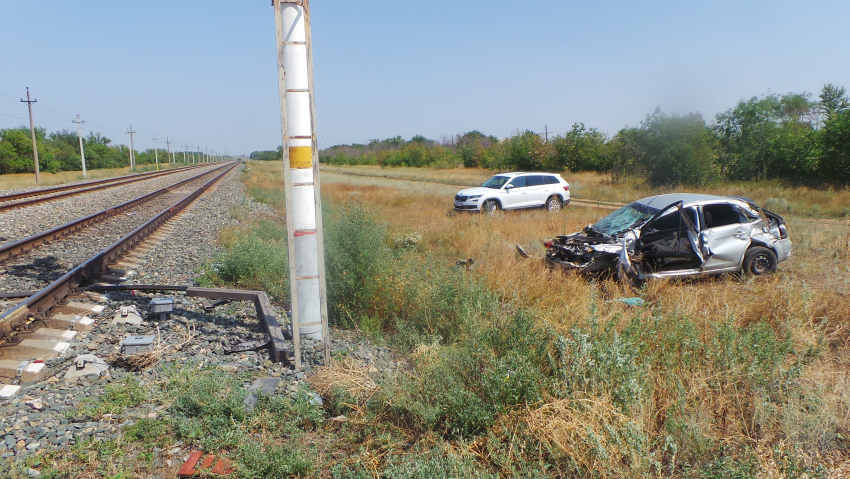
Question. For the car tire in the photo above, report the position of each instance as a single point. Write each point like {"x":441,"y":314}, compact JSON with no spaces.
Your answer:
{"x":490,"y":207}
{"x":759,"y":261}
{"x":553,"y":204}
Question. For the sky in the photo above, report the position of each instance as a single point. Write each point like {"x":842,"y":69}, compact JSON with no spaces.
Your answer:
{"x":204,"y":73}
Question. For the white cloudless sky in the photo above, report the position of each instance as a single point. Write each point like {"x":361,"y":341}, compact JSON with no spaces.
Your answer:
{"x":204,"y":72}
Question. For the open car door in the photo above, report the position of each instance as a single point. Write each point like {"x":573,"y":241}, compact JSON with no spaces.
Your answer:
{"x":670,"y":240}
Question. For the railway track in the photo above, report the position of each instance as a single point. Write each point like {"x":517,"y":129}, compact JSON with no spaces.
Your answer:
{"x":29,"y":198}
{"x":43,"y":324}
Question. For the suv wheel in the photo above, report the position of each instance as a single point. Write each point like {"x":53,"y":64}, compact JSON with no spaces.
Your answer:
{"x":759,"y":261}
{"x":553,"y":204}
{"x":490,"y":207}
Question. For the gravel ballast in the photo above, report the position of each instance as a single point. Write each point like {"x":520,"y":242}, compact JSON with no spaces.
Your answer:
{"x":60,"y":422}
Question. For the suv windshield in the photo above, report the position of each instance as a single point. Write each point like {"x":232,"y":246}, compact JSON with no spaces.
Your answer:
{"x":496,"y":182}
{"x":624,"y":218}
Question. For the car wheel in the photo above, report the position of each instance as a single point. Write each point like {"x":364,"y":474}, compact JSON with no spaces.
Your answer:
{"x":490,"y":207}
{"x":759,"y":261}
{"x":553,"y":204}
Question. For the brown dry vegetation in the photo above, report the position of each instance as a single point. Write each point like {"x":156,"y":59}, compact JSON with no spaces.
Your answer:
{"x":776,"y":195}
{"x":25,"y":180}
{"x":789,"y":401}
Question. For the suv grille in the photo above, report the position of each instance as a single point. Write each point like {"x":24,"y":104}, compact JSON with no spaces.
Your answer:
{"x":461,"y":198}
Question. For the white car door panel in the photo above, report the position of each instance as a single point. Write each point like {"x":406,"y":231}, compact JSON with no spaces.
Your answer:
{"x":726,"y":236}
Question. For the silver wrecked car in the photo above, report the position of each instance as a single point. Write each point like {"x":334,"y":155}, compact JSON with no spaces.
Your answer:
{"x":676,"y":235}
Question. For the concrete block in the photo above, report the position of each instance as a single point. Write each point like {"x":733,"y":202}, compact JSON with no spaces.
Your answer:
{"x":74,"y":322}
{"x":75,"y":307}
{"x":9,"y":391}
{"x":53,"y":334}
{"x":86,"y":365}
{"x":127,"y":315}
{"x":28,"y":371}
{"x":35,"y":348}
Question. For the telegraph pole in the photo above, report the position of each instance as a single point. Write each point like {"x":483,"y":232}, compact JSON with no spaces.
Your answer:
{"x":32,"y":131}
{"x":132,"y":149}
{"x":301,"y":174}
{"x":200,"y":158}
{"x":170,"y":158}
{"x":156,"y":151}
{"x":185,"y":149}
{"x":80,"y":136}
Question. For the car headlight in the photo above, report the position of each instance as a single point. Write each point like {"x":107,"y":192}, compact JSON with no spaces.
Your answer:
{"x":474,"y":197}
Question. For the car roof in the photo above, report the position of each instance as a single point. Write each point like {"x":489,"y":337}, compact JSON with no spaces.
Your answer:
{"x":660,"y":201}
{"x":520,"y":173}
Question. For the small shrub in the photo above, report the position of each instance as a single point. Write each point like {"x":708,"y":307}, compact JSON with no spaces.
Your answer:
{"x":259,"y":461}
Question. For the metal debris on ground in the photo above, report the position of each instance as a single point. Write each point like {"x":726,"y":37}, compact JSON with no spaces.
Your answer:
{"x":211,"y":305}
{"x":629,"y":301}
{"x":521,"y":251}
{"x":467,"y":263}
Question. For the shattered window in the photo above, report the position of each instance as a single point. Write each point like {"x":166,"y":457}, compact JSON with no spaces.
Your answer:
{"x":624,"y":218}
{"x":722,"y":215}
{"x":496,"y":182}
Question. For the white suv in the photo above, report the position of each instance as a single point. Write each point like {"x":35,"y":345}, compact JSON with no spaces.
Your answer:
{"x":511,"y":191}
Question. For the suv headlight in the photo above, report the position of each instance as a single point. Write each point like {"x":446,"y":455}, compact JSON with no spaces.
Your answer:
{"x":474,"y":197}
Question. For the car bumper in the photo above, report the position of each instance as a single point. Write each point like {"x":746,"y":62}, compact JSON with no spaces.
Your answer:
{"x":468,"y":206}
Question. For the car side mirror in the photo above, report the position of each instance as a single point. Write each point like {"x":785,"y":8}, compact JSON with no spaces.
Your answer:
{"x":507,"y":187}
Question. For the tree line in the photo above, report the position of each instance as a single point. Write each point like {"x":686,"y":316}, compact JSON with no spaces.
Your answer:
{"x":791,"y":136}
{"x":60,"y":151}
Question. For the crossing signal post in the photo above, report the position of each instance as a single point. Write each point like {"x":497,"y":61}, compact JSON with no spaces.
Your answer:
{"x":301,"y":174}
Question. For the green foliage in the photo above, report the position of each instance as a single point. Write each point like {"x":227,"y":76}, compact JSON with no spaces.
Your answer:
{"x":118,"y":396}
{"x":356,"y":258}
{"x":255,"y":260}
{"x":269,"y":155}
{"x":260,"y":461}
{"x":581,"y":149}
{"x":677,"y":150}
{"x":835,"y":164}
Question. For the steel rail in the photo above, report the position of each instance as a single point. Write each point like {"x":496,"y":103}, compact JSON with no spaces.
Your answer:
{"x":27,"y":244}
{"x":40,"y":304}
{"x":80,"y":189}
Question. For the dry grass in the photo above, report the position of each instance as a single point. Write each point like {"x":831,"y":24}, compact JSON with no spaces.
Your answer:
{"x":775,"y":195}
{"x":808,"y":301}
{"x":148,"y":359}
{"x":348,"y":374}
{"x":25,"y":180}
{"x":593,"y":433}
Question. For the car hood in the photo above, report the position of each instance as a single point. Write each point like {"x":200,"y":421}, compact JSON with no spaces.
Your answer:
{"x":479,"y":190}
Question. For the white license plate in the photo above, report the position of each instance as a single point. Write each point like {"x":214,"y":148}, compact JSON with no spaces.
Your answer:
{"x":458,"y":203}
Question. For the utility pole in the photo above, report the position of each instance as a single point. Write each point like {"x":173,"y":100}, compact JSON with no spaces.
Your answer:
{"x":80,"y":136}
{"x":546,"y":127}
{"x":132,"y":149}
{"x":156,"y":151}
{"x":170,"y":157}
{"x":32,"y":131}
{"x":200,"y":158}
{"x":305,"y":236}
{"x":185,"y":149}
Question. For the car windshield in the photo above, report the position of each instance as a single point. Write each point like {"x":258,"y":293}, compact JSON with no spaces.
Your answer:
{"x":624,"y":218}
{"x":496,"y":182}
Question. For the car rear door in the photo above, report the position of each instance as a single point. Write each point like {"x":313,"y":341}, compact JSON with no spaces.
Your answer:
{"x":726,"y":234}
{"x":538,"y":190}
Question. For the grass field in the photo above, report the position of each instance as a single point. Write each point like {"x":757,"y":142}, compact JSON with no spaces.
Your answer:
{"x":24,"y":180}
{"x":716,"y":377}
{"x":517,"y":371}
{"x":775,"y":195}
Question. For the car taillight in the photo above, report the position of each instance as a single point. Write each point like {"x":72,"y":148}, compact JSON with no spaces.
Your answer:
{"x":567,"y":188}
{"x":547,"y":244}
